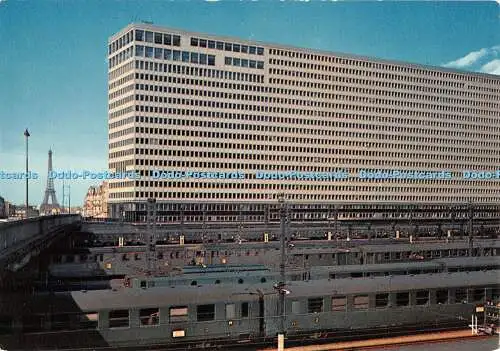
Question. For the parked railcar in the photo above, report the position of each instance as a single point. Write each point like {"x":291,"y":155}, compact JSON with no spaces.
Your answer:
{"x":203,"y":316}
{"x":129,"y":261}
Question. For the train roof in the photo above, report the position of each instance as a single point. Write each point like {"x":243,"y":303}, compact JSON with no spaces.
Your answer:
{"x":425,"y":246}
{"x":435,"y":263}
{"x":161,"y":296}
{"x":394,"y":283}
{"x":184,"y":295}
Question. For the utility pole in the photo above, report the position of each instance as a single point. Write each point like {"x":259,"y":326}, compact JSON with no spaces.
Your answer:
{"x":66,"y":194}
{"x":281,"y":285}
{"x":27,"y":135}
{"x":151,"y":237}
{"x":471,"y":228}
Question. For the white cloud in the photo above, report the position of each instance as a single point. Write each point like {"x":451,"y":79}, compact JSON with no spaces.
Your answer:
{"x":468,"y":60}
{"x":492,"y":67}
{"x":483,"y":60}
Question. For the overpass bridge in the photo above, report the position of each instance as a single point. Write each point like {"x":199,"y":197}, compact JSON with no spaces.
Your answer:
{"x":22,"y":240}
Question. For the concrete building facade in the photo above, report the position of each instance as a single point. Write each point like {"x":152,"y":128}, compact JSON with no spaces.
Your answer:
{"x":231,"y":112}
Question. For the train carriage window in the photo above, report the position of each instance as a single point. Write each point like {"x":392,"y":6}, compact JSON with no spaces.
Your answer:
{"x":149,"y":316}
{"x":422,"y":297}
{"x":244,"y":309}
{"x":381,"y":300}
{"x":339,"y":303}
{"x":5,"y":325}
{"x":60,"y":321}
{"x":205,"y":313}
{"x":461,"y":296}
{"x":495,"y":294}
{"x":402,"y":299}
{"x":315,"y":305}
{"x":230,"y":311}
{"x":88,"y":320}
{"x":119,"y":319}
{"x":361,"y":302}
{"x":178,"y":314}
{"x":295,"y":307}
{"x":32,"y":323}
{"x":441,"y":296}
{"x":476,"y":295}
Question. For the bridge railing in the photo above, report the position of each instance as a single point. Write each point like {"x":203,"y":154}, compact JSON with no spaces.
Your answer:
{"x":15,"y":236}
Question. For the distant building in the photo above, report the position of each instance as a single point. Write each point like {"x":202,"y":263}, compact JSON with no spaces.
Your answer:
{"x":3,"y":208}
{"x":96,"y":201}
{"x":20,"y":212}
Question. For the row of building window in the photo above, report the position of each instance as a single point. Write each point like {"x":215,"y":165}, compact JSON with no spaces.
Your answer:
{"x":372,"y":125}
{"x":121,"y":42}
{"x":438,"y":88}
{"x":116,"y":75}
{"x":234,"y":184}
{"x":404,"y":112}
{"x":431,"y":119}
{"x":313,"y":76}
{"x":457,"y":187}
{"x":122,"y":56}
{"x":341,"y":160}
{"x":265,"y":123}
{"x":386,"y":162}
{"x":321,"y":208}
{"x":174,"y":55}
{"x":475,"y":144}
{"x":207,"y":108}
{"x":157,"y":38}
{"x":391,"y":67}
{"x":234,"y":61}
{"x":236,"y":75}
{"x":426,"y":91}
{"x":227,"y":46}
{"x":294,"y":196}
{"x":454,"y":79}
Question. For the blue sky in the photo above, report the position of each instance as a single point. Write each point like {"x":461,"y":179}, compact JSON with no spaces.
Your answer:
{"x":53,"y":71}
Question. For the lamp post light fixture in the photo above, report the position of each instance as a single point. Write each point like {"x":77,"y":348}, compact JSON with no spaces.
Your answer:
{"x":27,"y":135}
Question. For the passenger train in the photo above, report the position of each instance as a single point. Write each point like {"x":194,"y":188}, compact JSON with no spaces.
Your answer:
{"x":207,"y":316}
{"x":121,"y":261}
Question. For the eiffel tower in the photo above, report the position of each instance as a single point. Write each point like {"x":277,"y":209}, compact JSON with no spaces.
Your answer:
{"x":50,"y":191}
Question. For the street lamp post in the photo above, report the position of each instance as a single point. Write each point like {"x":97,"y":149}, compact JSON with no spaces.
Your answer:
{"x":27,"y":135}
{"x":69,"y":199}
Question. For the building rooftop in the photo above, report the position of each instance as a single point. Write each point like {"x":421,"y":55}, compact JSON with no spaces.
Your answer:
{"x":152,"y":27}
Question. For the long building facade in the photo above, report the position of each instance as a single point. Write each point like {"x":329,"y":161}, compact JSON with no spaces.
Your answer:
{"x":205,"y":119}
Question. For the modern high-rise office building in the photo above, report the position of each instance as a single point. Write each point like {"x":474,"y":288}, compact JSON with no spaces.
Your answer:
{"x":226,"y":110}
